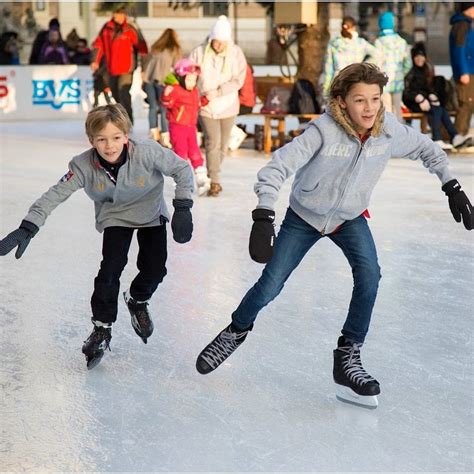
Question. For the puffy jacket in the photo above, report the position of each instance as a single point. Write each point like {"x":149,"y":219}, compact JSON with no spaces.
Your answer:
{"x":224,"y":73}
{"x":335,"y":172}
{"x":248,"y":92}
{"x":394,"y":60}
{"x":119,"y":44}
{"x":183,"y":105}
{"x":461,"y":45}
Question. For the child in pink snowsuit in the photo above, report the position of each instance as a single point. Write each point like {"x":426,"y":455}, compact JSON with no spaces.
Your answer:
{"x":182,"y":100}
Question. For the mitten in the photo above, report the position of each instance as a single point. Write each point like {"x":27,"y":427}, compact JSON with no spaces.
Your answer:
{"x":182,"y":221}
{"x":262,"y":236}
{"x":20,"y":237}
{"x":459,"y":204}
{"x":433,"y":98}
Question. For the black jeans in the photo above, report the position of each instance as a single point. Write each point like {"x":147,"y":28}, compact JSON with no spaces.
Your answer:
{"x":120,"y":87}
{"x":151,"y":263}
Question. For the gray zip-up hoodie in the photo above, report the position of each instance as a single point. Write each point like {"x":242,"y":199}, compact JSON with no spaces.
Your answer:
{"x":135,"y":200}
{"x":335,"y":173}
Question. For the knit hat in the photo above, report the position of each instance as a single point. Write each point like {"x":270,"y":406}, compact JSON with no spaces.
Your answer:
{"x":463,"y":6}
{"x":221,"y":30}
{"x":386,"y":21}
{"x":418,"y":49}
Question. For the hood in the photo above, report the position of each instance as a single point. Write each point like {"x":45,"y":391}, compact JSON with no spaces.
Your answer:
{"x":343,"y":119}
{"x":457,"y":17}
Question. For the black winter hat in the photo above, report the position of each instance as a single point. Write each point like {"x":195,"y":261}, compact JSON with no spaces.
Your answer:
{"x":463,"y":6}
{"x":418,"y":49}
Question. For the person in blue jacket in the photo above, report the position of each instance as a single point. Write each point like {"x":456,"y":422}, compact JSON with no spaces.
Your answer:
{"x":461,"y":49}
{"x":337,"y":162}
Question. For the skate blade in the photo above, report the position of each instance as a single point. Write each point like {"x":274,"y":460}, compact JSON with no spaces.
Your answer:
{"x":137,"y":329}
{"x":347,"y":395}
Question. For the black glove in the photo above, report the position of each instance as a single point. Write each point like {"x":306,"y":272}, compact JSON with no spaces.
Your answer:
{"x":182,"y":221}
{"x":262,"y":236}
{"x":458,"y":203}
{"x":20,"y":237}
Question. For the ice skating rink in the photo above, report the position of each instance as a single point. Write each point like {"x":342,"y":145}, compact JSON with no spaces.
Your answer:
{"x":271,"y":407}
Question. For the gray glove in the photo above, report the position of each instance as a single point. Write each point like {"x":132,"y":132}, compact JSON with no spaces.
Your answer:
{"x":20,"y":237}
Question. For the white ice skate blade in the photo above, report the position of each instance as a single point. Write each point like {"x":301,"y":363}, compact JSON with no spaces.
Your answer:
{"x":347,"y":395}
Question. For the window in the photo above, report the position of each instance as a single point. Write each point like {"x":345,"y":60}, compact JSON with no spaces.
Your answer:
{"x":215,"y":8}
{"x":139,"y":9}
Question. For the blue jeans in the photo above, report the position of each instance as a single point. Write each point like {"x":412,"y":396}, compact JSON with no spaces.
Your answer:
{"x":439,"y":115}
{"x":295,"y":238}
{"x":154,"y":92}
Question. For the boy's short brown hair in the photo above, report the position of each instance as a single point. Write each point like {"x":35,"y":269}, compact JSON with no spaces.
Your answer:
{"x":98,"y":118}
{"x":354,"y":73}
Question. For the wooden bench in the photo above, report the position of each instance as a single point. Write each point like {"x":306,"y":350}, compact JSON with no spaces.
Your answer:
{"x":269,"y":125}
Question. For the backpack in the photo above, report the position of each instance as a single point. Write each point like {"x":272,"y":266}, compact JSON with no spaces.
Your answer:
{"x":446,"y":92}
{"x":277,"y":101}
{"x":303,"y":98}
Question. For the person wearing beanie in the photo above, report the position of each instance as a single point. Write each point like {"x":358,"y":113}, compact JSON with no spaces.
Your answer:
{"x":394,"y":60}
{"x":223,"y":68}
{"x":422,"y":94}
{"x":461,"y":50}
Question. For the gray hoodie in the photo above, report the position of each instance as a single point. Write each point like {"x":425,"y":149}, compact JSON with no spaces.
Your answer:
{"x":135,"y":200}
{"x":335,"y":173}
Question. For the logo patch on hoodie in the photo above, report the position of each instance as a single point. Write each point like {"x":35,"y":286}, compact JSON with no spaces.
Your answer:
{"x":376,"y":150}
{"x":337,"y":149}
{"x":67,"y":177}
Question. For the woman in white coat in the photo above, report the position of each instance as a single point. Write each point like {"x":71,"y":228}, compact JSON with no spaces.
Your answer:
{"x":223,"y":68}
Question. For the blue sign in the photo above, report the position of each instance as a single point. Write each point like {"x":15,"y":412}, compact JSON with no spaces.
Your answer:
{"x":47,"y":92}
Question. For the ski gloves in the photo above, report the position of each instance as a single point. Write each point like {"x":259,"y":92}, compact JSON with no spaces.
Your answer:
{"x":182,"y":221}
{"x":20,"y":237}
{"x":460,"y":206}
{"x":262,"y":236}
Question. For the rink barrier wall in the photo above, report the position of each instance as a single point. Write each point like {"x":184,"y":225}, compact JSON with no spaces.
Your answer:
{"x":54,"y":93}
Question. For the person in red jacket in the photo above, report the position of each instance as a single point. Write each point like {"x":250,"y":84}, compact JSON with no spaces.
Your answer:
{"x":119,"y":42}
{"x":182,"y":100}
{"x":248,"y":92}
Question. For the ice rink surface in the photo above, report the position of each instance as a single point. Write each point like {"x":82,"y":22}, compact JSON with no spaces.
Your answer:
{"x":271,"y":406}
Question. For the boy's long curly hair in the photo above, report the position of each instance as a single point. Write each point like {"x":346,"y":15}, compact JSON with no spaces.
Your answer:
{"x":367,"y":73}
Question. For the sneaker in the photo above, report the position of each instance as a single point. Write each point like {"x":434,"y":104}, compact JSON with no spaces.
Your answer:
{"x":354,"y":384}
{"x":443,"y":145}
{"x":461,"y":140}
{"x":215,"y":189}
{"x":141,"y":319}
{"x":97,"y":343}
{"x":220,"y":349}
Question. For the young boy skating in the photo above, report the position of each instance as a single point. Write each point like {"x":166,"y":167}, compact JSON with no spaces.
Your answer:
{"x":124,"y":178}
{"x":338,"y":161}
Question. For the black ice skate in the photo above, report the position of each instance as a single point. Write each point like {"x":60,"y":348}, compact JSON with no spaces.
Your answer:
{"x":220,"y":348}
{"x":97,"y":343}
{"x":353,"y":383}
{"x":141,"y":319}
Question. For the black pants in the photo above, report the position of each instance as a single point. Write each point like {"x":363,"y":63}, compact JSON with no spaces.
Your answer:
{"x":120,"y":87}
{"x":151,"y":263}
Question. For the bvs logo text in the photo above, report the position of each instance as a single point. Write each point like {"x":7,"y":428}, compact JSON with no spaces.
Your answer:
{"x":66,"y":91}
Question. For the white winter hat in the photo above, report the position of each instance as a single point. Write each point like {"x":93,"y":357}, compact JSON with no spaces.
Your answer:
{"x":221,"y":30}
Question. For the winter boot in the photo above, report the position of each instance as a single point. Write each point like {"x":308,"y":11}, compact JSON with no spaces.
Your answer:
{"x":97,"y":343}
{"x":220,"y":349}
{"x":155,"y":134}
{"x":203,"y":183}
{"x":165,"y":140}
{"x":214,"y":190}
{"x":141,"y":319}
{"x":353,"y":383}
